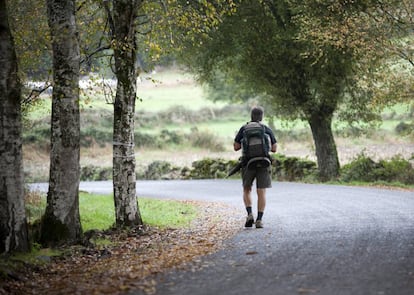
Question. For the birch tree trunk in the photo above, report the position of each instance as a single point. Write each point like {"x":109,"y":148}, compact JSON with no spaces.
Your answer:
{"x":125,"y":48}
{"x":13,"y":226}
{"x":61,"y":222}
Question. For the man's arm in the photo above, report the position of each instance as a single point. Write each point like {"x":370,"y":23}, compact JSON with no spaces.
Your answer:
{"x":237,"y":140}
{"x":269,"y":131}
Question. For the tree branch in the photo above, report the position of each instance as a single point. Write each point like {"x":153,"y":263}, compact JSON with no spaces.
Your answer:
{"x":100,"y":49}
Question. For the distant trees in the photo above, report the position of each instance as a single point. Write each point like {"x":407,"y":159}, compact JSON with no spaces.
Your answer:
{"x":13,"y":226}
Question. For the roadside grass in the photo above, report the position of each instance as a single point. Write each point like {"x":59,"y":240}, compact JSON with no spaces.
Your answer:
{"x":97,"y":211}
{"x":165,"y":214}
{"x":37,"y":256}
{"x":376,"y":184}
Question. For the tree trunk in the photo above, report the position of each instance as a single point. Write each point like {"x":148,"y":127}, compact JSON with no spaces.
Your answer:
{"x":61,"y":222}
{"x":124,"y":179}
{"x":326,"y":153}
{"x":13,"y":226}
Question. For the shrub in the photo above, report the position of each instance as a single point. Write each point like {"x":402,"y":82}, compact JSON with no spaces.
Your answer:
{"x":365,"y":169}
{"x":395,"y":170}
{"x":211,"y":168}
{"x":293,"y":168}
{"x":40,"y":135}
{"x":93,"y":173}
{"x":157,"y":169}
{"x":171,"y":137}
{"x":361,"y":169}
{"x":162,"y":170}
{"x":404,"y":128}
{"x":146,"y":140}
{"x":206,"y":140}
{"x":91,"y":135}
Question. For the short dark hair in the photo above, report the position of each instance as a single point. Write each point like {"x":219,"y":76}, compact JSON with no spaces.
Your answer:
{"x":257,"y":114}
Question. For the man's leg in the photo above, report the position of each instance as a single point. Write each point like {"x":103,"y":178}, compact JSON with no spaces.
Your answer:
{"x":261,"y":204}
{"x":247,"y":199}
{"x":263,"y":181}
{"x":261,"y":199}
{"x":247,"y":196}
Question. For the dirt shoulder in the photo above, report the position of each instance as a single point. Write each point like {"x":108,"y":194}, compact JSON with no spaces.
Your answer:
{"x":131,"y":258}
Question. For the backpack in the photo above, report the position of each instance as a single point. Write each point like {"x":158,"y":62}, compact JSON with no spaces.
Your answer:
{"x":256,"y":144}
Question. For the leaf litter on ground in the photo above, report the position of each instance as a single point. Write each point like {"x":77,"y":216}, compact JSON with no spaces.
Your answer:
{"x":132,"y":257}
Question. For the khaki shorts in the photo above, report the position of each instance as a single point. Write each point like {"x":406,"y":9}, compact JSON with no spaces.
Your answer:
{"x":261,"y":174}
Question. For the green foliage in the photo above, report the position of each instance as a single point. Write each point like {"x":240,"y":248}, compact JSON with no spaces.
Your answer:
{"x":170,"y":137}
{"x":206,"y":140}
{"x":293,"y":168}
{"x":95,"y":173}
{"x":239,"y":58}
{"x":92,"y":135}
{"x":365,"y":169}
{"x":146,"y":140}
{"x":161,"y":170}
{"x":361,"y":169}
{"x":396,"y":169}
{"x":33,"y":49}
{"x":284,"y":169}
{"x":155,"y":130}
{"x":38,"y":135}
{"x":404,"y":128}
{"x":260,"y":51}
{"x":211,"y":168}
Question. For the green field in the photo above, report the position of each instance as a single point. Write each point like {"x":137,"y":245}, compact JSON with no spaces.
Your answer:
{"x":175,"y":103}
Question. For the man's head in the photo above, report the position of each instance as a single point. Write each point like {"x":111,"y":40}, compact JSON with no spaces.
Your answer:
{"x":257,"y":114}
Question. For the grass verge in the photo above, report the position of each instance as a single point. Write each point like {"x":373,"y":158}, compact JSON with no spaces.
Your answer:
{"x":127,"y":259}
{"x":98,"y":212}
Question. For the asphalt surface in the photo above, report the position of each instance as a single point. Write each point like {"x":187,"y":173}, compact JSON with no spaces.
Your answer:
{"x":318,"y":239}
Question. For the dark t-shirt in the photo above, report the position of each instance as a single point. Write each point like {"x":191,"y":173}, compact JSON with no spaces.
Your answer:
{"x":268,"y":131}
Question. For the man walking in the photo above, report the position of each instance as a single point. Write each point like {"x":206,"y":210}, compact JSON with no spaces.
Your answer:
{"x":256,"y":141}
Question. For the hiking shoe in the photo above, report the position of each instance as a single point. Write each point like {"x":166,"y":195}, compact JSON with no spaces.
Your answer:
{"x":259,"y":224}
{"x":249,"y":221}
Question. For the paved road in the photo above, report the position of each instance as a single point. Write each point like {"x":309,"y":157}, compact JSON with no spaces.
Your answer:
{"x":318,"y":239}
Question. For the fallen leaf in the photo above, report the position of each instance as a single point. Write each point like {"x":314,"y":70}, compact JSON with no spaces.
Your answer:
{"x":252,"y":252}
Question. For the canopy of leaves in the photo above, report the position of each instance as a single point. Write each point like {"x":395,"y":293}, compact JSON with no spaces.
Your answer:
{"x":32,"y":37}
{"x":371,"y":29}
{"x":262,"y":48}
